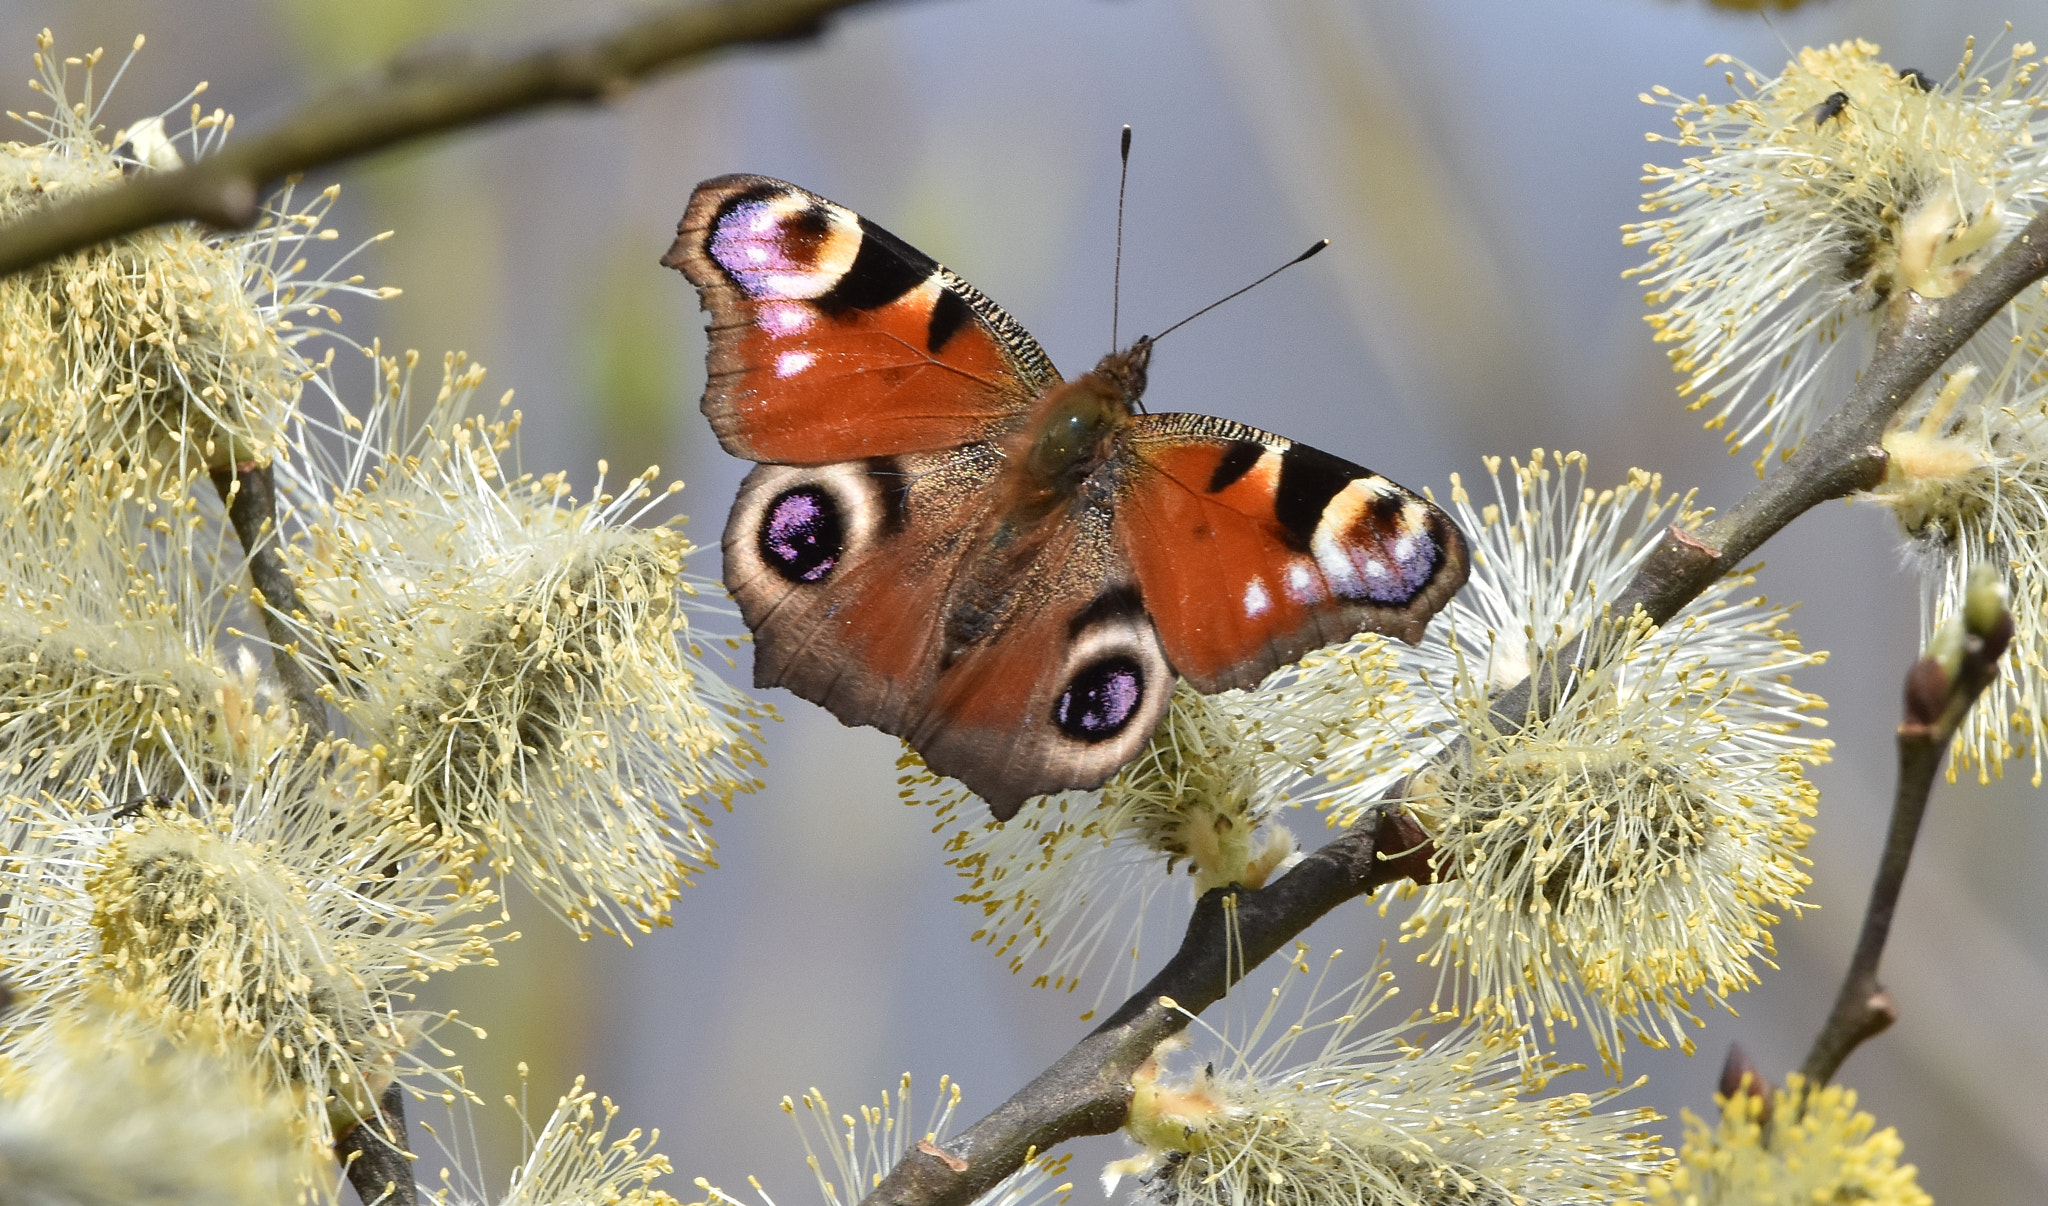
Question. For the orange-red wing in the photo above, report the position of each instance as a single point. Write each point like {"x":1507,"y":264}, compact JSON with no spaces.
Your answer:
{"x":841,"y":571}
{"x":845,"y":573}
{"x":1252,"y":550}
{"x":1063,"y":695}
{"x":834,"y":340}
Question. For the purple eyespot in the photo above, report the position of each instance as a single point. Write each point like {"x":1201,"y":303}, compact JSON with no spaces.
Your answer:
{"x":1390,"y":571}
{"x":802,"y":537}
{"x":1100,"y":699}
{"x":773,"y":251}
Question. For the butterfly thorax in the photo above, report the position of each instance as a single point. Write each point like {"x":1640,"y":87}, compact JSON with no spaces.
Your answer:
{"x":1072,"y":431}
{"x":1062,"y":466}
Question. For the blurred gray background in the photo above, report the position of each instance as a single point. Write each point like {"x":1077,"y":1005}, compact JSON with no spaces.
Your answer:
{"x":1471,"y":160}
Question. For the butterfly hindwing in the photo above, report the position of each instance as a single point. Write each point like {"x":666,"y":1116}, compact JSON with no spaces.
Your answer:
{"x":1252,"y":549}
{"x":850,"y":577}
{"x":1062,"y":698}
{"x":833,"y":340}
{"x":833,"y":568}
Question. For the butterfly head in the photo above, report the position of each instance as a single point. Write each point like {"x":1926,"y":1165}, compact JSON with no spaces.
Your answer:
{"x":1125,"y":370}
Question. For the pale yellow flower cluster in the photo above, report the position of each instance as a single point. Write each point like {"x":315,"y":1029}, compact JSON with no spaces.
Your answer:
{"x":849,"y":1158}
{"x":1807,"y":208}
{"x":215,"y":905}
{"x":1789,"y":1148}
{"x":1320,"y":1110}
{"x":112,"y":1113}
{"x":1630,"y":845}
{"x":575,"y":1159}
{"x":1806,"y":214}
{"x":524,"y":668}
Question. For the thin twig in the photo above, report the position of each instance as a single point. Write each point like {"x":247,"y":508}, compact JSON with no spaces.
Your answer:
{"x":374,"y":1153}
{"x":411,"y":97}
{"x":251,"y":497}
{"x":1088,"y":1090}
{"x":1936,"y":705}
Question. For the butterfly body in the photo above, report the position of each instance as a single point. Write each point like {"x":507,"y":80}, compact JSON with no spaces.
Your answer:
{"x":946,"y":541}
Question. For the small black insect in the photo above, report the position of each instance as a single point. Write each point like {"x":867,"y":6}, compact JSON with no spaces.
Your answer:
{"x":133,"y":808}
{"x":1919,"y":77}
{"x":1831,"y":107}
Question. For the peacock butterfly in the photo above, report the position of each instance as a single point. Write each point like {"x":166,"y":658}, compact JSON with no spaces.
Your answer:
{"x":944,"y":540}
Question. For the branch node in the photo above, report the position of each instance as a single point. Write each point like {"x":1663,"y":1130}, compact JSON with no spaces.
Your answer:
{"x":1691,"y":543}
{"x":1865,"y":469}
{"x":1402,"y":850}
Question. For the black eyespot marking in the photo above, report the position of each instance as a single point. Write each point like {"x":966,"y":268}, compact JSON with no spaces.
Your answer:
{"x":884,"y":269}
{"x":1116,"y":603}
{"x":948,"y":317}
{"x":1309,"y":479}
{"x":802,"y":536}
{"x":1386,"y":511}
{"x":1101,"y":699}
{"x":803,"y":233}
{"x":1237,"y":461}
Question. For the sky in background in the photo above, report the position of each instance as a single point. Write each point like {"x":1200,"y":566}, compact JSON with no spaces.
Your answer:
{"x":1472,"y":162}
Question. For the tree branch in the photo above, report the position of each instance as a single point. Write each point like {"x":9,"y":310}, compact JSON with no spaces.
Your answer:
{"x":411,"y":97}
{"x":1088,"y":1090}
{"x":251,"y":499}
{"x":1936,"y":703}
{"x":374,"y":1153}
{"x":1843,"y":454}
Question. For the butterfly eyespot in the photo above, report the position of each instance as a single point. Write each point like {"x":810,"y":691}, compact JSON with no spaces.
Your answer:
{"x":779,"y":245}
{"x":803,"y":535}
{"x":1100,"y":699}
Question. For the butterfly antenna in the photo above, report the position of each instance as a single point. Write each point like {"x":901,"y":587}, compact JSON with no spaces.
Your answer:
{"x":1116,"y":276}
{"x":1315,"y":247}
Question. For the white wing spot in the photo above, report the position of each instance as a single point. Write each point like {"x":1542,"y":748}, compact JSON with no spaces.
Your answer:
{"x":786,"y":318}
{"x":1256,"y":600}
{"x":1301,"y":583}
{"x":789,"y":364}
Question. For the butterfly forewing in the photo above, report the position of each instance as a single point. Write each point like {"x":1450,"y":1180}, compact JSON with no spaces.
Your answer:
{"x":832,"y":339}
{"x":1252,"y":549}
